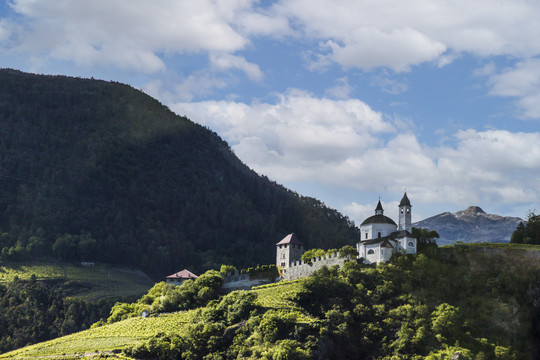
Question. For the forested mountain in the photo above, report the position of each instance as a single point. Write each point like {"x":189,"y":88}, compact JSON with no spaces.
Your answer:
{"x":96,"y":170}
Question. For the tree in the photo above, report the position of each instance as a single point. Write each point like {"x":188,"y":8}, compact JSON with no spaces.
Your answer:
{"x":528,"y":233}
{"x":227,"y":269}
{"x":425,"y":238}
{"x":311,"y":254}
{"x":349,"y":252}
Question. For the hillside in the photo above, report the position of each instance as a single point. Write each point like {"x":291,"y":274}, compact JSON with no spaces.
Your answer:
{"x":461,"y":302}
{"x":91,"y":283}
{"x":99,"y":171}
{"x":470,"y":225}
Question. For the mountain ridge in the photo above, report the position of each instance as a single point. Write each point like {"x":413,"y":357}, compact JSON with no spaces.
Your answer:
{"x":470,"y":225}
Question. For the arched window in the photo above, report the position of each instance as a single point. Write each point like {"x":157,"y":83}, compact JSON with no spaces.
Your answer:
{"x":411,"y":244}
{"x":371,"y":252}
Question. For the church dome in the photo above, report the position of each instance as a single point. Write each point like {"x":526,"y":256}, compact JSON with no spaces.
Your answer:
{"x":379,"y":219}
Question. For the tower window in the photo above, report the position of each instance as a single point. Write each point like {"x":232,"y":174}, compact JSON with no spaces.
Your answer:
{"x":379,"y":234}
{"x":402,"y":210}
{"x":408,"y":211}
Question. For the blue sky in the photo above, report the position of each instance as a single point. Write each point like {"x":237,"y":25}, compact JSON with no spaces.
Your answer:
{"x":346,"y":101}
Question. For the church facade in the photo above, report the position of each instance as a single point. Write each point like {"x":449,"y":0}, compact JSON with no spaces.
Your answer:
{"x":381,"y":237}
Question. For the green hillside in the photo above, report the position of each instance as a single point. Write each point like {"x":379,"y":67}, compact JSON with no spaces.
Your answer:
{"x":467,"y":303}
{"x":90,"y":283}
{"x":127,"y":333}
{"x":98,"y":171}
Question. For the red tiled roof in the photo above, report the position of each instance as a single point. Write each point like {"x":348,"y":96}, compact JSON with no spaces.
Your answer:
{"x":290,"y":239}
{"x":184,"y":274}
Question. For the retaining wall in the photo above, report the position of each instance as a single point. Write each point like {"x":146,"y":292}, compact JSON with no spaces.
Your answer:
{"x":237,"y":281}
{"x":300,"y":269}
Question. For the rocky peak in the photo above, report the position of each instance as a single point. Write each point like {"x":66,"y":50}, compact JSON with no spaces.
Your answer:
{"x":473,"y":210}
{"x":470,"y":225}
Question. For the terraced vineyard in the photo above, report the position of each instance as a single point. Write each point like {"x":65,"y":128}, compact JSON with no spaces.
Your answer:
{"x":87,"y":282}
{"x":104,"y":339}
{"x":111,"y":339}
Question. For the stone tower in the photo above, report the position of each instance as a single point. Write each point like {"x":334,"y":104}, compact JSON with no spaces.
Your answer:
{"x":405,"y":213}
{"x":289,"y":249}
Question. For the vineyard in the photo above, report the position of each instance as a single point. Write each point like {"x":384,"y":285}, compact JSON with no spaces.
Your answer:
{"x":112,"y":338}
{"x":84,"y":282}
{"x":105,"y":338}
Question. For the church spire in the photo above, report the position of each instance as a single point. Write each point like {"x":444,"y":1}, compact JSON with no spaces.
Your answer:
{"x":379,"y":209}
{"x":405,"y":213}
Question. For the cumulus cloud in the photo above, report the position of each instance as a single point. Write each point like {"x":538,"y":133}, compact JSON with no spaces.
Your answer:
{"x":521,"y":81}
{"x":128,"y":33}
{"x":346,"y":143}
{"x":398,"y":34}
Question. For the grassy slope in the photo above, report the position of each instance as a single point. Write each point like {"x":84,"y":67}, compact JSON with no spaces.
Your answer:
{"x":90,"y":283}
{"x":114,"y":337}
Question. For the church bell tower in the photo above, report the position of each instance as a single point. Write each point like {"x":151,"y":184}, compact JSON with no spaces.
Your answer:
{"x":405,"y":213}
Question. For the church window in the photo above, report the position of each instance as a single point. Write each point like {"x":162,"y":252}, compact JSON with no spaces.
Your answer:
{"x":283,"y":256}
{"x":410,"y":244}
{"x":402,"y":210}
{"x":366,"y":235}
{"x":282,"y":264}
{"x":408,"y":211}
{"x":371,"y":252}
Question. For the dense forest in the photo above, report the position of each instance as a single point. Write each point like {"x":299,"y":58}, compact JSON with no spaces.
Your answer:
{"x":34,"y":311}
{"x":98,"y":171}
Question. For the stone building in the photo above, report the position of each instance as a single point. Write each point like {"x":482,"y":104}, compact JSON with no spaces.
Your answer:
{"x":381,"y":237}
{"x":289,"y":249}
{"x":179,"y":277}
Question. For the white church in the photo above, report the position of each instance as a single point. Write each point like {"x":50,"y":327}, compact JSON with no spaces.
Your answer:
{"x":380,"y":236}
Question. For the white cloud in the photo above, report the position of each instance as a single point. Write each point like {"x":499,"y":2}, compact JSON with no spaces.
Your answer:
{"x":399,"y":34}
{"x":346,"y":143}
{"x":342,"y":90}
{"x":128,"y":34}
{"x":521,"y":81}
{"x":302,"y":135}
{"x":223,"y":62}
{"x":398,"y":49}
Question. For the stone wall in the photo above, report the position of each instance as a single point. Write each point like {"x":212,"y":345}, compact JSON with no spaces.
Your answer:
{"x":300,"y":269}
{"x":237,"y":281}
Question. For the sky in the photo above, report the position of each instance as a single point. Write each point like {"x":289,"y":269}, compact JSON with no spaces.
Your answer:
{"x":347,"y":101}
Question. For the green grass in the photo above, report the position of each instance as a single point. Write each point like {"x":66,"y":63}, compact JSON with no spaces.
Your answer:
{"x":89,"y":283}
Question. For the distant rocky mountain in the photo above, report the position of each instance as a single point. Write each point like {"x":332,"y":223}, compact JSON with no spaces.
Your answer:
{"x":470,"y":225}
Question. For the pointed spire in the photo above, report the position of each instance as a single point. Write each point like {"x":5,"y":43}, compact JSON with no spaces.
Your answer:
{"x":405,"y":200}
{"x":379,"y":209}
